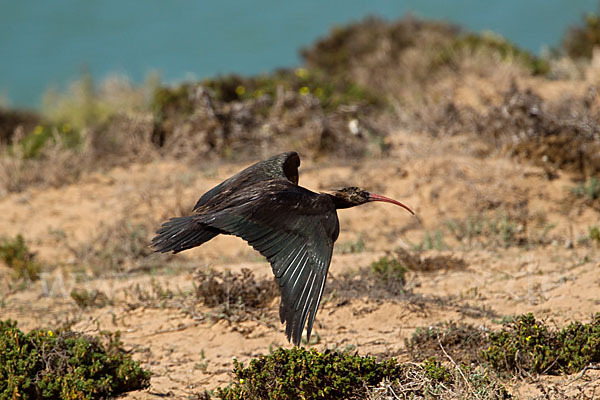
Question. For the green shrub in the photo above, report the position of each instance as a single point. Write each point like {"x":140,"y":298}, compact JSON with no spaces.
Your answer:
{"x":16,"y":255}
{"x":308,"y":374}
{"x":68,"y":365}
{"x":64,"y":134}
{"x":526,"y":344}
{"x":33,"y":143}
{"x":436,"y":371}
{"x":388,"y":268}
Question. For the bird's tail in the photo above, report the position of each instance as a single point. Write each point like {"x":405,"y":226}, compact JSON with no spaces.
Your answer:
{"x":182,"y":233}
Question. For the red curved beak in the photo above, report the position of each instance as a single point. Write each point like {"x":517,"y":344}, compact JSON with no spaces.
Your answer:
{"x":377,"y":197}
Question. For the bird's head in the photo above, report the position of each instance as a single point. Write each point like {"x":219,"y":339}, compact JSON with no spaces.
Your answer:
{"x":353,"y":196}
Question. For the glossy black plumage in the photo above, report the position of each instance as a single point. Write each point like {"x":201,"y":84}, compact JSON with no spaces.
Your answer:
{"x":291,"y":226}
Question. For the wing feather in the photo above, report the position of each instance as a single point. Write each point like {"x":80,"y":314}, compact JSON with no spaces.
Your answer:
{"x":295,"y":230}
{"x":298,"y":278}
{"x":284,"y":166}
{"x":314,"y":303}
{"x":301,"y":310}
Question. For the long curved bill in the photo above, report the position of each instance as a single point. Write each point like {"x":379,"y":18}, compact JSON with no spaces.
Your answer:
{"x":378,"y":197}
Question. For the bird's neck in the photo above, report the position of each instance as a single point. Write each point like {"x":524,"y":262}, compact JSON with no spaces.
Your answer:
{"x":340,"y":202}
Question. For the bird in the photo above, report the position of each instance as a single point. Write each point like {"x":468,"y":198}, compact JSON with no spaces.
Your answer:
{"x":292,"y":227}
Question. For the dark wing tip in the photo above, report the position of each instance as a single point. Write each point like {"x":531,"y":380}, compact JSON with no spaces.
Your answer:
{"x":299,"y":303}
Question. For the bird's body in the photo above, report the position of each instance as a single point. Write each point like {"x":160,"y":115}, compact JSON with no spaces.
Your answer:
{"x":293,"y":227}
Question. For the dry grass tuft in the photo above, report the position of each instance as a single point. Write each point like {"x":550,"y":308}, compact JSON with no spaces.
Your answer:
{"x":90,"y":298}
{"x":462,"y":342}
{"x":416,"y":263}
{"x":235,"y":296}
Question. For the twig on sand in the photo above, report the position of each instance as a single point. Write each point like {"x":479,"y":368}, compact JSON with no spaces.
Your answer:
{"x":584,"y":370}
{"x":458,"y":369}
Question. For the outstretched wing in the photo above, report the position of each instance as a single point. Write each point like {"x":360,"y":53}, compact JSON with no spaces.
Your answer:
{"x":284,"y":165}
{"x":295,"y":230}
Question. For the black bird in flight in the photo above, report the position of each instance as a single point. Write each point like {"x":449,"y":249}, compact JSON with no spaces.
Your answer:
{"x":291,"y":226}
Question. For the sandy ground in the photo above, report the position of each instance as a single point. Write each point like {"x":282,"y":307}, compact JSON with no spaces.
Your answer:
{"x":554,"y":274}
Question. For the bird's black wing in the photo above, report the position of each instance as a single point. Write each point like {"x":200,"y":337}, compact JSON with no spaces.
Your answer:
{"x":284,"y":165}
{"x":295,"y":230}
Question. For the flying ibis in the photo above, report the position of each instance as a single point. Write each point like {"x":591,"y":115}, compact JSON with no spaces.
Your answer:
{"x":293,"y":227}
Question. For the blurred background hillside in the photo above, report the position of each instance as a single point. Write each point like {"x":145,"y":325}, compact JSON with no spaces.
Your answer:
{"x":48,"y":44}
{"x":240,"y":83}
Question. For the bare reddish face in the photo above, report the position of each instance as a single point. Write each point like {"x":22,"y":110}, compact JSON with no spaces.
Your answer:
{"x":378,"y":197}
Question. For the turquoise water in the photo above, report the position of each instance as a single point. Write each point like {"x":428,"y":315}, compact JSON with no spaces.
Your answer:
{"x":49,"y":43}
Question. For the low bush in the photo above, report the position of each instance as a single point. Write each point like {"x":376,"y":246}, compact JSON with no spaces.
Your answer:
{"x":462,"y":342}
{"x":389,"y":268}
{"x":308,"y":374}
{"x":234,"y":296}
{"x":62,"y":134}
{"x":89,"y":298}
{"x":17,"y":256}
{"x":68,"y":365}
{"x":300,"y":373}
{"x":528,"y":345}
{"x":524,"y":346}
